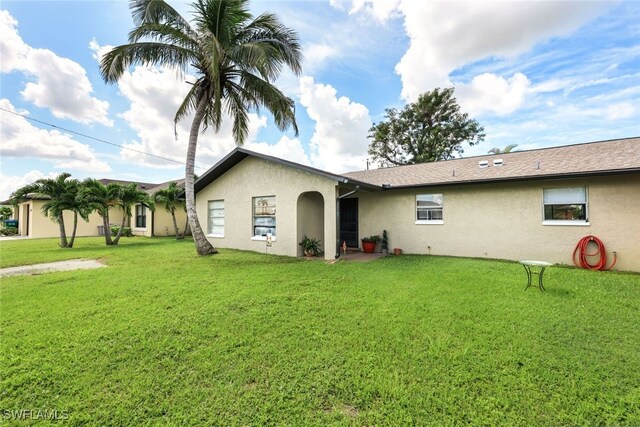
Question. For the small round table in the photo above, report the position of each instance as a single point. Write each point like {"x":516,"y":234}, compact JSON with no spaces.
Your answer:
{"x":528,"y":266}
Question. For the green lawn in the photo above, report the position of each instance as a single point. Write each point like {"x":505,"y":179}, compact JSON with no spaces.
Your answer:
{"x":163,"y":336}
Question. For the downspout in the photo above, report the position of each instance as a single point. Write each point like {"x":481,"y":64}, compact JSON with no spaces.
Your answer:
{"x":355,"y":190}
{"x":153,"y":223}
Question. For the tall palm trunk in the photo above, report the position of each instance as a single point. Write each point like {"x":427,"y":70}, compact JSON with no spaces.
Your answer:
{"x":186,"y":229}
{"x":63,"y":233}
{"x":75,"y":227}
{"x":124,"y":220}
{"x":107,"y":228}
{"x":175,"y":223}
{"x":203,"y":246}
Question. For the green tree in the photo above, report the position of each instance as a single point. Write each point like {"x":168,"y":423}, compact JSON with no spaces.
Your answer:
{"x":509,"y":148}
{"x":128,"y":196}
{"x":101,"y":198}
{"x":432,"y":128}
{"x":171,"y":198}
{"x":61,"y":194}
{"x":235,"y":58}
{"x":5,"y":212}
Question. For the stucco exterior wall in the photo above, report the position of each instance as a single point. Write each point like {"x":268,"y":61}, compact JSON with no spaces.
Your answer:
{"x":162,"y":223}
{"x":41,"y":226}
{"x":505,"y":220}
{"x":254,"y":177}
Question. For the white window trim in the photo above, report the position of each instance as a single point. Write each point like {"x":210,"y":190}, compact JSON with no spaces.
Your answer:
{"x":569,"y":222}
{"x":432,"y":222}
{"x":135,"y":217}
{"x":216,"y":235}
{"x":428,"y":221}
{"x":253,"y":216}
{"x":263,"y":238}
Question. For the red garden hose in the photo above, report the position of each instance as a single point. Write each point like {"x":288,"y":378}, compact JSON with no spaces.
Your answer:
{"x":580,"y":254}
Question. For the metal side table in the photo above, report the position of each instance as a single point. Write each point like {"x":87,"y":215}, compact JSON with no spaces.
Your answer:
{"x":528,"y":265}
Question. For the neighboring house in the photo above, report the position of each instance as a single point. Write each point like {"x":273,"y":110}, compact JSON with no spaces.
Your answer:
{"x":533,"y":204}
{"x":33,"y":223}
{"x":143,"y":222}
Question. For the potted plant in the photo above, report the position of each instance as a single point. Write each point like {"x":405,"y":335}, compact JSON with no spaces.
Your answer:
{"x":310,"y":246}
{"x":384,"y":243}
{"x":369,"y":243}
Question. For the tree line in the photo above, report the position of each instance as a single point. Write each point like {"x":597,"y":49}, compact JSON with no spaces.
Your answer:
{"x":83,"y":198}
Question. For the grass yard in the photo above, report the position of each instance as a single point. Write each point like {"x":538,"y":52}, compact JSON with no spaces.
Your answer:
{"x":163,"y":336}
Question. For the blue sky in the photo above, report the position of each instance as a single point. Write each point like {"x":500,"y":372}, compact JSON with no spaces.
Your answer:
{"x":535,"y":74}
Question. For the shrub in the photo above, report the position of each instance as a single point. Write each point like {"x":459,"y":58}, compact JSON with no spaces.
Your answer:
{"x":310,"y":246}
{"x":8,"y":231}
{"x":126,"y":231}
{"x":375,"y":238}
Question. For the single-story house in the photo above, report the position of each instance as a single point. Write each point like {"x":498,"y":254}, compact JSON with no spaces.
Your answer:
{"x":534,"y":204}
{"x":143,"y":222}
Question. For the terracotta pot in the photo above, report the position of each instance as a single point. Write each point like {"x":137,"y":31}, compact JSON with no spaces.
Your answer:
{"x":368,"y":247}
{"x":397,"y":251}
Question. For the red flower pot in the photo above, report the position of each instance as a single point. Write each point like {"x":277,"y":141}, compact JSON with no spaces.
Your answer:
{"x":368,"y":247}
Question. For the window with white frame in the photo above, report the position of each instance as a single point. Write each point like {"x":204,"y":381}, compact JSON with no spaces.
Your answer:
{"x":216,"y":218}
{"x":141,"y":216}
{"x":565,"y":204}
{"x":429,"y":208}
{"x":264,"y":216}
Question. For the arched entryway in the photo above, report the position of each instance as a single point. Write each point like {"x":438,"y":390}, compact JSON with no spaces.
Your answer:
{"x":310,"y":218}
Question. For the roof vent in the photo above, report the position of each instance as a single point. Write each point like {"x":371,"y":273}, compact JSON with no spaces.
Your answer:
{"x":483,"y":163}
{"x":497,"y":162}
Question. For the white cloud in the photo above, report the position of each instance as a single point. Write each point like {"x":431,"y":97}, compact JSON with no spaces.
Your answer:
{"x":286,"y":148}
{"x":21,"y":139}
{"x":317,"y":54}
{"x":339,"y":142}
{"x":489,"y":92}
{"x":11,"y":183}
{"x":380,"y":9}
{"x":445,"y":36}
{"x":60,"y":84}
{"x":620,"y":111}
{"x":14,"y":51}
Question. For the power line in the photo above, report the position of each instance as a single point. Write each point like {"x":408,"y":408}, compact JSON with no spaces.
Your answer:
{"x":104,"y":141}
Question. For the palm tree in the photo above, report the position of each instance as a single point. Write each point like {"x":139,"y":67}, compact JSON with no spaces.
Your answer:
{"x":509,"y":148}
{"x":128,"y":196}
{"x":171,"y":198}
{"x":235,"y":58}
{"x":5,"y":212}
{"x":61,"y":194}
{"x":101,"y":198}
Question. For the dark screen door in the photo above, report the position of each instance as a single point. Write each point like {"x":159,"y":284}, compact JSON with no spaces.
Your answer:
{"x":349,"y":222}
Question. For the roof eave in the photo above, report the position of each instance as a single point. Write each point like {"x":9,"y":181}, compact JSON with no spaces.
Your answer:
{"x":519,"y":178}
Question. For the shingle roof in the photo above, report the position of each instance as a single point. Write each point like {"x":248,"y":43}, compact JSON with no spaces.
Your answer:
{"x":141,"y":185}
{"x":603,"y":157}
{"x":158,"y":187}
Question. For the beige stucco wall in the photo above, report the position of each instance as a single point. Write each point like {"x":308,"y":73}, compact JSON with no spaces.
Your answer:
{"x":505,"y":221}
{"x":42,"y":226}
{"x":162,"y":223}
{"x":254,"y":177}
